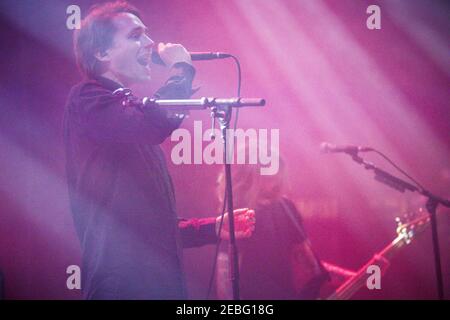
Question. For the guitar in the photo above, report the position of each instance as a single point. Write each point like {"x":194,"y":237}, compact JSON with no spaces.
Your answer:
{"x":405,"y":234}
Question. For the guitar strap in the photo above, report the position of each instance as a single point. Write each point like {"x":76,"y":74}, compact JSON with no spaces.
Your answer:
{"x":295,"y":221}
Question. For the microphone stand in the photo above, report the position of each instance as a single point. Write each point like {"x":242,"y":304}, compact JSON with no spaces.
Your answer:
{"x":223,"y":115}
{"x":221,"y":109}
{"x":431,"y":205}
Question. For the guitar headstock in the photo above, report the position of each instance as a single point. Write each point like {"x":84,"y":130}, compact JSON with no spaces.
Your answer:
{"x":412,"y":224}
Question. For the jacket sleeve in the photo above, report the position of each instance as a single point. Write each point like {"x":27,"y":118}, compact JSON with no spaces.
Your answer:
{"x":197,"y":232}
{"x":105,"y":119}
{"x":179,"y":85}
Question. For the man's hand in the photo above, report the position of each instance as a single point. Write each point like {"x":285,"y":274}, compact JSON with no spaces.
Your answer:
{"x":244,"y":224}
{"x":173,"y":53}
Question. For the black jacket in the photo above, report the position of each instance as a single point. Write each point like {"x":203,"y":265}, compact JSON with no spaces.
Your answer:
{"x":121,"y":193}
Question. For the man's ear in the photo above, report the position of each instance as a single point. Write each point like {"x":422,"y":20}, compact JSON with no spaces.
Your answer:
{"x":103,"y":56}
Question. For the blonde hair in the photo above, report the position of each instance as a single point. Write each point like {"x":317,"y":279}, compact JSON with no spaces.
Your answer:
{"x":252,"y":189}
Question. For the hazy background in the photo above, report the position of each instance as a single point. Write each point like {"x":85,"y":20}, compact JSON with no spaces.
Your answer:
{"x":325,"y":76}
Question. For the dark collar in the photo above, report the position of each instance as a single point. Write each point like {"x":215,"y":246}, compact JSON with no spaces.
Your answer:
{"x":108,"y":83}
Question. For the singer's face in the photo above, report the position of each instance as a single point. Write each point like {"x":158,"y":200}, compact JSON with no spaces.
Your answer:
{"x":130,"y":54}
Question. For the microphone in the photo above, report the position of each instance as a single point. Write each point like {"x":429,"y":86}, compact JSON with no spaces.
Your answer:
{"x":326,"y":147}
{"x":195,"y":56}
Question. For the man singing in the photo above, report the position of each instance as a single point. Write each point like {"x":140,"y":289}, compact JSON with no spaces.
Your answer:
{"x":121,"y":194}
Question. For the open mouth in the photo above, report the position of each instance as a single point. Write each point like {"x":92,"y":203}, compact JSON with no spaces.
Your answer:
{"x":144,"y":59}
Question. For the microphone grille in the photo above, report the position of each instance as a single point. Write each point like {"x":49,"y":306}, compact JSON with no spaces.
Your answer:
{"x":325,"y":147}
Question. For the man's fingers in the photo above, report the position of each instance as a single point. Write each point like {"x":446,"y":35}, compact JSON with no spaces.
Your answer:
{"x":240,"y":210}
{"x":251,"y":214}
{"x":160,"y":46}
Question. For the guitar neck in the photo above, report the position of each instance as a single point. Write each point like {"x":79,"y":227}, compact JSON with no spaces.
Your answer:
{"x":356,"y":282}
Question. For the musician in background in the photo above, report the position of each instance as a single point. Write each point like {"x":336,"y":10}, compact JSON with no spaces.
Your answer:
{"x":278,"y":261}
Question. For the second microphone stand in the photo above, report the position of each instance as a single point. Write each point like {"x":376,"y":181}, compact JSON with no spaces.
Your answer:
{"x":431,"y":205}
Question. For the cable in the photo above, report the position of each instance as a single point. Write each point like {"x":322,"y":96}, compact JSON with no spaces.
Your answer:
{"x":239,"y":73}
{"x":399,"y":169}
{"x":211,"y":279}
{"x":238,"y":65}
